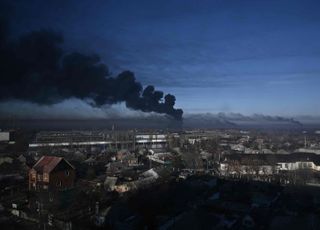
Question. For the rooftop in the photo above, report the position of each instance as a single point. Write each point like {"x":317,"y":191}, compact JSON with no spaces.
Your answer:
{"x":48,"y":163}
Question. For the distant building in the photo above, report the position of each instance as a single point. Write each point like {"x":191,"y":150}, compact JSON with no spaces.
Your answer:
{"x":4,"y":136}
{"x":267,"y":164}
{"x":107,"y":139}
{"x":308,"y":150}
{"x":7,"y":137}
{"x":151,"y":140}
{"x":51,"y":173}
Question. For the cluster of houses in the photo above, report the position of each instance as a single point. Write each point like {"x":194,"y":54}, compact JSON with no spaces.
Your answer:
{"x":268,"y":164}
{"x":55,"y":186}
{"x":53,"y":182}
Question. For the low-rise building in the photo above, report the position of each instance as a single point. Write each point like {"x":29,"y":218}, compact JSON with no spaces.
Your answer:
{"x":268,"y":164}
{"x":51,"y":173}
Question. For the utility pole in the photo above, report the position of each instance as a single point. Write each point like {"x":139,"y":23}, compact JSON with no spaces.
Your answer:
{"x":305,"y":141}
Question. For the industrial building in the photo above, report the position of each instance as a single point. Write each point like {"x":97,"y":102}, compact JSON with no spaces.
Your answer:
{"x":107,"y":139}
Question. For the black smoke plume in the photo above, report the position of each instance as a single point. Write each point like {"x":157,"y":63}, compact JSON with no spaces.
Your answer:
{"x":35,"y":68}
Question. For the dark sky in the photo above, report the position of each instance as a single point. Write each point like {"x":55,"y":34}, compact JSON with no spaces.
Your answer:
{"x":248,"y":56}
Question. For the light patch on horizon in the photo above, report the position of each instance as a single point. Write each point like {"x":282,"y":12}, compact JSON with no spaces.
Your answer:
{"x":68,"y":109}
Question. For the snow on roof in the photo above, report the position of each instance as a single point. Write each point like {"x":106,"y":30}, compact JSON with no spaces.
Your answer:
{"x":150,"y":173}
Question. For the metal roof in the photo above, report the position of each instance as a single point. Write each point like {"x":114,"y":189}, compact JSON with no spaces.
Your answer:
{"x":48,"y":163}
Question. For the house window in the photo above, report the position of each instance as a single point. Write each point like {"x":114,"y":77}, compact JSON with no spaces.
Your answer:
{"x":46,"y":177}
{"x":67,"y":173}
{"x":33,"y":176}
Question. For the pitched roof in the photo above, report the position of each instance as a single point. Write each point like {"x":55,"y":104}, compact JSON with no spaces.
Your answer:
{"x":48,"y":163}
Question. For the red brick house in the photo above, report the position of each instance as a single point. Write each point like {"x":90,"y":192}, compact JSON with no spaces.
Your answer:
{"x":51,"y":173}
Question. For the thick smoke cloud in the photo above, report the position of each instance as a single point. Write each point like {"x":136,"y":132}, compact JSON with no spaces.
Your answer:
{"x":35,"y":68}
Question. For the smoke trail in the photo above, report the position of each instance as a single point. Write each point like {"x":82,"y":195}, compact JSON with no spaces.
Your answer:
{"x":35,"y":68}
